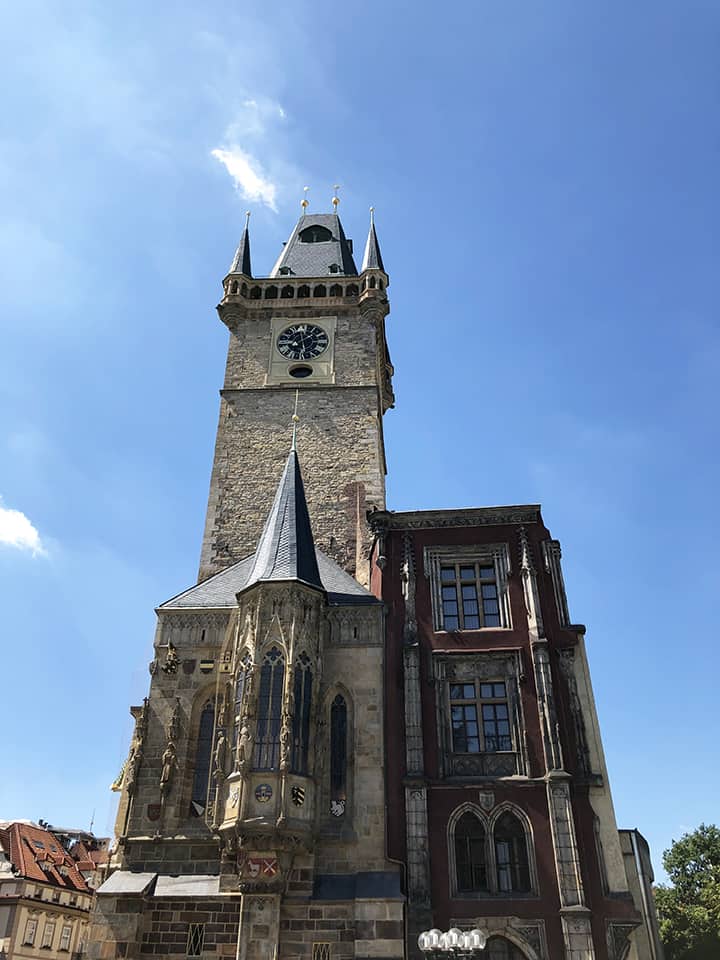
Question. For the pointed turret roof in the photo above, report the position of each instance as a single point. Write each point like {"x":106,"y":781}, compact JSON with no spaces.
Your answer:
{"x":286,"y":550}
{"x":373,"y":258}
{"x":317,"y":247}
{"x":241,"y":260}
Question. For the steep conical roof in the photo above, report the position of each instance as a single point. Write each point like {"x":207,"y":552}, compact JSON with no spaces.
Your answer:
{"x":241,"y":260}
{"x":317,"y":247}
{"x":286,"y":550}
{"x":373,"y":258}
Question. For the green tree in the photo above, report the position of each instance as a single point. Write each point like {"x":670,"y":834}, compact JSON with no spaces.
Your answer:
{"x":689,"y":909}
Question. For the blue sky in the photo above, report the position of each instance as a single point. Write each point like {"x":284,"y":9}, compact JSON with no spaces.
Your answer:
{"x":545,"y":185}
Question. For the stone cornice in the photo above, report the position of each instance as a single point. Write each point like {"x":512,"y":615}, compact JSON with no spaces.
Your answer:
{"x":468,"y":517}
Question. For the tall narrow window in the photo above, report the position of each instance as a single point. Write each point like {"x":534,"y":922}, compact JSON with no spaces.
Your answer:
{"x":48,"y":934}
{"x":267,"y":740}
{"x":511,"y":855}
{"x":240,"y":681}
{"x":470,"y":862}
{"x":65,"y":935}
{"x":301,"y":716}
{"x":203,"y":753}
{"x":338,"y":756}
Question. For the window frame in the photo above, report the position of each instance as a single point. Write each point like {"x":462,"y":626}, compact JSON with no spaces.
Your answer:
{"x":47,"y":941}
{"x":489,"y":823}
{"x":29,"y":939}
{"x":479,"y":702}
{"x":495,"y":555}
{"x":65,"y":937}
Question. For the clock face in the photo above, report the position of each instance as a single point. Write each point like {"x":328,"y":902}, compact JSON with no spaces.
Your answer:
{"x":302,"y":341}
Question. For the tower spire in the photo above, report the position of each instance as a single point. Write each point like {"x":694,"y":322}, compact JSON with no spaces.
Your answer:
{"x":286,"y":550}
{"x":241,"y":260}
{"x":372,"y":259}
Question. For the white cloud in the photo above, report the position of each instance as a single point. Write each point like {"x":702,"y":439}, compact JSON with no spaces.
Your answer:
{"x":17,"y":531}
{"x":247,"y":175}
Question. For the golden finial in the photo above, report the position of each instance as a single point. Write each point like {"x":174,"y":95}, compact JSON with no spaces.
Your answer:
{"x":304,"y":202}
{"x":295,"y":421}
{"x":336,"y":198}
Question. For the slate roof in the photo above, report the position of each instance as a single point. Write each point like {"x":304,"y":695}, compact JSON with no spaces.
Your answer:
{"x":286,"y":550}
{"x":28,"y":846}
{"x":372,"y":260}
{"x":241,"y":260}
{"x":315,"y":259}
{"x":221,"y":589}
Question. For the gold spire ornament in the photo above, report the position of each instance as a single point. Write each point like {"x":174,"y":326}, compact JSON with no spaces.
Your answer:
{"x":304,"y":203}
{"x":295,"y":421}
{"x":336,"y":198}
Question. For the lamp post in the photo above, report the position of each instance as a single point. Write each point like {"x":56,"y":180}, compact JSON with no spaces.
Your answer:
{"x":452,"y":943}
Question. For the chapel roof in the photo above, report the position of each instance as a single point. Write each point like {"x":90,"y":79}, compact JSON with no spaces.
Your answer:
{"x":317,"y":247}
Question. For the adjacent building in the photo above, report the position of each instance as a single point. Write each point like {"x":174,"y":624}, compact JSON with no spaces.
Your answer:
{"x":361,"y":724}
{"x":46,"y":891}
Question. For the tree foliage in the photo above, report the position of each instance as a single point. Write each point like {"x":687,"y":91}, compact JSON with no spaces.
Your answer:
{"x":689,"y":909}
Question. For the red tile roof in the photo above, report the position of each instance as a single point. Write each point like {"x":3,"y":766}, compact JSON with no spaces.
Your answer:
{"x":29,"y":846}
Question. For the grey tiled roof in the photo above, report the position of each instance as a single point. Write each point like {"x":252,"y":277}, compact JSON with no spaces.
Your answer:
{"x":315,"y":259}
{"x":220,"y":590}
{"x":286,"y":550}
{"x":373,"y":258}
{"x":241,"y":260}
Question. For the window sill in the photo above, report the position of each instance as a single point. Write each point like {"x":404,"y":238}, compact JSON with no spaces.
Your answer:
{"x":487,"y":895}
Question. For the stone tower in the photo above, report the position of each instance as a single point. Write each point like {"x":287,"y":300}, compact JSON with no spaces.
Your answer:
{"x":251,"y":821}
{"x":315,"y":325}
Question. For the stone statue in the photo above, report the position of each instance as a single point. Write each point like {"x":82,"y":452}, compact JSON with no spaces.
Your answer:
{"x":169,"y":763}
{"x":220,"y":748}
{"x":244,"y":750}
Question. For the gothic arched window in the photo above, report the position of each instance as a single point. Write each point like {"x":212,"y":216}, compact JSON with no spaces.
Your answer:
{"x":267,"y":739}
{"x":470,"y":859}
{"x":336,"y":290}
{"x":203,"y":754}
{"x":240,"y":681}
{"x":301,"y":714}
{"x":511,"y":855}
{"x":320,"y":290}
{"x":352,"y":290}
{"x":271,"y":292}
{"x":338,"y":755}
{"x":498,"y":948}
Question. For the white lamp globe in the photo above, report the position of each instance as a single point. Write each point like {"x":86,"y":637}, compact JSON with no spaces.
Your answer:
{"x":477,"y":940}
{"x":434,"y":939}
{"x":454,"y":937}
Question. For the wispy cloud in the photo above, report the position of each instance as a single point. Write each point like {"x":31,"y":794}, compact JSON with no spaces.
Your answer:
{"x":17,"y":531}
{"x":247,"y":175}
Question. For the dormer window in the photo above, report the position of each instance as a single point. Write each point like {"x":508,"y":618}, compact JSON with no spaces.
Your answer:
{"x":284,"y":271}
{"x":334,"y":268}
{"x":315,"y":234}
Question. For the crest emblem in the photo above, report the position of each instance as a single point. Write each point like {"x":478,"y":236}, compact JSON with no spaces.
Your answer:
{"x":486,"y":799}
{"x":188,"y":666}
{"x":337,"y":807}
{"x":298,"y":796}
{"x":234,"y":797}
{"x":263,"y":792}
{"x":153,"y":811}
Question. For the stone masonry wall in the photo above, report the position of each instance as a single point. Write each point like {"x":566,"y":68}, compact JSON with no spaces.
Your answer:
{"x":340,"y":450}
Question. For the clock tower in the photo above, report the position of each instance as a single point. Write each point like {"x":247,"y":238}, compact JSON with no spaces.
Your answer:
{"x":317,"y":326}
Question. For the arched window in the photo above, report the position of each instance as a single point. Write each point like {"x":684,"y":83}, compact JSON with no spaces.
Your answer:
{"x":255,"y":293}
{"x":498,"y":948}
{"x":315,"y":234}
{"x":352,"y":290}
{"x":336,"y":290}
{"x":271,"y":292}
{"x":267,"y":739}
{"x":511,"y":855}
{"x":243,"y":290}
{"x":470,"y":861}
{"x":338,"y":756}
{"x":380,"y":285}
{"x":234,"y":287}
{"x":303,"y":291}
{"x":240,"y":680}
{"x":372,"y":283}
{"x":287,"y":293}
{"x":301,"y":716}
{"x":203,"y":754}
{"x":320,"y":290}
